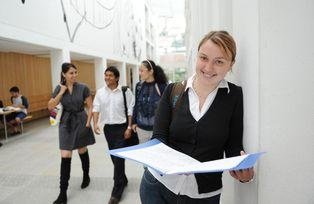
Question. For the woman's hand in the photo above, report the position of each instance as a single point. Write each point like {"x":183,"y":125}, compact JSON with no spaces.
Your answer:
{"x":62,"y":89}
{"x":87,"y":125}
{"x":244,"y":175}
{"x":134,"y":126}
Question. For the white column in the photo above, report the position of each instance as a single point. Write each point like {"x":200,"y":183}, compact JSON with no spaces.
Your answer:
{"x":122,"y":70}
{"x":57,"y":58}
{"x":135,"y":76}
{"x":202,"y":19}
{"x":100,"y":67}
{"x":246,"y":74}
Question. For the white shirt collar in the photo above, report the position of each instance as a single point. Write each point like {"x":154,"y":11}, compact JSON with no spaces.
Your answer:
{"x":222,"y":84}
{"x":119,"y":87}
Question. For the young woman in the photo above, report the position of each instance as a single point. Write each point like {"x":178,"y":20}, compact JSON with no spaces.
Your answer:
{"x":74,"y":128}
{"x":207,"y":122}
{"x":147,"y":96}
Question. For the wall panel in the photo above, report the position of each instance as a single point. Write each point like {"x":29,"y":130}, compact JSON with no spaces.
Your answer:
{"x":31,"y":74}
{"x":86,"y":74}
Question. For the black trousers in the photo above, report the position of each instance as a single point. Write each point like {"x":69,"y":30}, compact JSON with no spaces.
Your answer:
{"x":115,"y":138}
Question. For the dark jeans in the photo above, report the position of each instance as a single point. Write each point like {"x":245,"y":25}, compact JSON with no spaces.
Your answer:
{"x":14,"y":115}
{"x":115,"y":138}
{"x":154,"y":192}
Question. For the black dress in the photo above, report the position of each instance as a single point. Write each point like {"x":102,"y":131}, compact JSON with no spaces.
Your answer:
{"x":73,"y":133}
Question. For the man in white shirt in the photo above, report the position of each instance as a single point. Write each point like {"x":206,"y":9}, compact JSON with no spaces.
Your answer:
{"x":109,"y":104}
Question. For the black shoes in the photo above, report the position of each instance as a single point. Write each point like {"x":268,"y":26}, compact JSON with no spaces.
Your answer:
{"x":113,"y":200}
{"x":64,"y":180}
{"x":85,"y":167}
{"x":85,"y":182}
{"x":62,"y":199}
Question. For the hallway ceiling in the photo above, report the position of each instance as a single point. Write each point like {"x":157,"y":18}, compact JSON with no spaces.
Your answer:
{"x":25,"y":48}
{"x":7,"y":45}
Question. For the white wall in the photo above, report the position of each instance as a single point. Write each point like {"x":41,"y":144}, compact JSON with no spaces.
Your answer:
{"x":90,"y":30}
{"x":245,"y":23}
{"x":275,"y":68}
{"x":44,"y":18}
{"x":286,"y":98}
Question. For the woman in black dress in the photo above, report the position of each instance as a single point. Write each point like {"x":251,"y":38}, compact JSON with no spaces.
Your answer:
{"x":74,"y":128}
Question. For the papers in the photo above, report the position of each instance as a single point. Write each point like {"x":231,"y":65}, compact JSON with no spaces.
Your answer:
{"x":55,"y":115}
{"x":166,"y":160}
{"x":11,"y":108}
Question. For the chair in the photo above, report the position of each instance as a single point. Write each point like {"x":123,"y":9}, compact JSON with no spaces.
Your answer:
{"x":28,"y":117}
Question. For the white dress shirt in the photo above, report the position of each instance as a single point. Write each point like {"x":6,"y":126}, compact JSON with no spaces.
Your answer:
{"x":186,"y":184}
{"x":110,"y":104}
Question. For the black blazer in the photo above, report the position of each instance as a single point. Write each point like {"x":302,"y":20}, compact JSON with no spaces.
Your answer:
{"x":219,"y":131}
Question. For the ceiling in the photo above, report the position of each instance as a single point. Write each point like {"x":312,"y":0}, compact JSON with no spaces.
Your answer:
{"x":7,"y":45}
{"x":20,"y":47}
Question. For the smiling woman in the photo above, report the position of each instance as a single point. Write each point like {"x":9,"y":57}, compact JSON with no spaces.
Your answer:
{"x":74,"y":128}
{"x":207,"y":123}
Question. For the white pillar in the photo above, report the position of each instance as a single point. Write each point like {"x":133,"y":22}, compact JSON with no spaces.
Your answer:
{"x":57,"y":58}
{"x":100,"y":67}
{"x":122,"y":70}
{"x":135,"y":76}
{"x":202,"y":18}
{"x":246,"y":73}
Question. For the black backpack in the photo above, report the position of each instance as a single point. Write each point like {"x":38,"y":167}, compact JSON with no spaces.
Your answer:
{"x":176,"y":94}
{"x":133,"y":140}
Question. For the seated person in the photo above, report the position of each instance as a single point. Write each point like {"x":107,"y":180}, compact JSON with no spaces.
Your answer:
{"x":1,"y":106}
{"x":18,"y":101}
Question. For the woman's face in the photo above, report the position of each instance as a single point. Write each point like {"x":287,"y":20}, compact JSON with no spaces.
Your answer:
{"x":145,"y":74}
{"x":71,"y":75}
{"x":212,"y":64}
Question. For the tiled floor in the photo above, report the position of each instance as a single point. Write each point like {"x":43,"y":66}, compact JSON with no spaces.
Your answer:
{"x":29,"y":170}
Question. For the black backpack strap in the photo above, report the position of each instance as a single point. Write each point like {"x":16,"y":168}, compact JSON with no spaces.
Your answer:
{"x":124,"y":88}
{"x":176,"y":94}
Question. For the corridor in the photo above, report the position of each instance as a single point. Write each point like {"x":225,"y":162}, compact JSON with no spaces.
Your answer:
{"x":29,"y":170}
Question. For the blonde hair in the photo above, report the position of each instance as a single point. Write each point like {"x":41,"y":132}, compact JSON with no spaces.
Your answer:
{"x":224,"y":40}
